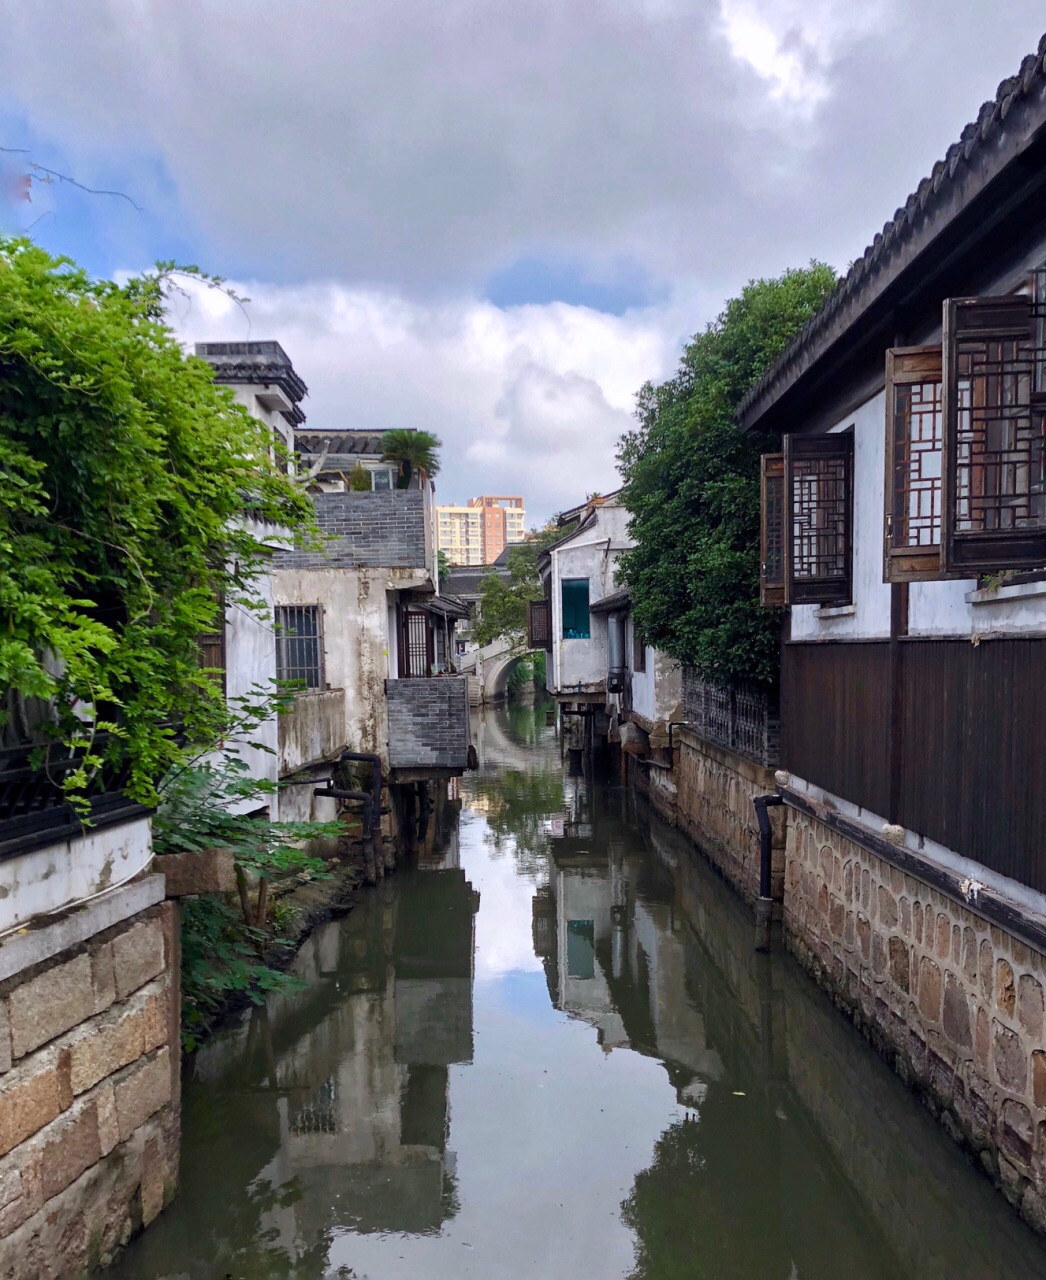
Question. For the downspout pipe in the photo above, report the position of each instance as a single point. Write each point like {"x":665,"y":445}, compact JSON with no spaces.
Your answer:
{"x":764,"y":907}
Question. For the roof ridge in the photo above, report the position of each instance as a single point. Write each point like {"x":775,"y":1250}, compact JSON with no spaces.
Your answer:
{"x":887,"y":241}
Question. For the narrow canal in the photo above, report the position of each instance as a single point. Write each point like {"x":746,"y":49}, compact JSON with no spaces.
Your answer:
{"x":550,"y":1053}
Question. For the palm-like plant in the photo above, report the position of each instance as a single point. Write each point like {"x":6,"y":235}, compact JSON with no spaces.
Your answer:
{"x":412,"y":451}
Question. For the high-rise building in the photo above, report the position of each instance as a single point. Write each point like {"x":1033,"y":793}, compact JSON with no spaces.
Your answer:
{"x":478,"y":532}
{"x":459,"y":533}
{"x":504,"y":521}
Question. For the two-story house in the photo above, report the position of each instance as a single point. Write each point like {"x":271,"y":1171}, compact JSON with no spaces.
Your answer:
{"x":904,"y":532}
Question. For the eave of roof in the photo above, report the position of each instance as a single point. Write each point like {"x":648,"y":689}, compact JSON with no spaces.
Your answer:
{"x":1003,"y":130}
{"x":616,"y":602}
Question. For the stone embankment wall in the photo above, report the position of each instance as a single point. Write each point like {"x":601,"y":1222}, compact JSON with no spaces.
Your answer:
{"x":954,"y":1003}
{"x":89,"y":1095}
{"x":714,"y":790}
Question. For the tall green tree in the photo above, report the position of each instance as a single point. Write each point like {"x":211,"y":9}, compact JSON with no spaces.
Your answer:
{"x":692,"y":487}
{"x":128,"y":486}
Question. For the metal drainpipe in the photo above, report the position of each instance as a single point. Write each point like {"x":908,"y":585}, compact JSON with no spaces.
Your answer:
{"x":764,"y":907}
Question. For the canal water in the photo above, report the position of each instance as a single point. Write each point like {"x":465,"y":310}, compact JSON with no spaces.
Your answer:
{"x":549,"y":1052}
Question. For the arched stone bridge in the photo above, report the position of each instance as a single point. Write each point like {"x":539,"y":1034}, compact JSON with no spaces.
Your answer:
{"x":492,"y":665}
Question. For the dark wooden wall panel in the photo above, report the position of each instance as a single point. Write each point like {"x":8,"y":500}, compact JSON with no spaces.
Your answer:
{"x":970,"y":745}
{"x":835,"y":719}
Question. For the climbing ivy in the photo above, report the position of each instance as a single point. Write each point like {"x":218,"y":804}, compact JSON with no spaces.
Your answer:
{"x":692,"y":487}
{"x":131,"y":489}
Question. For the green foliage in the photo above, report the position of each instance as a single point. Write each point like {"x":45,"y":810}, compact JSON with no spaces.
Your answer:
{"x":225,"y":948}
{"x":692,"y":487}
{"x":521,"y":677}
{"x":359,"y":479}
{"x":412,"y":451}
{"x":503,"y":603}
{"x":442,"y":566}
{"x":126,"y":475}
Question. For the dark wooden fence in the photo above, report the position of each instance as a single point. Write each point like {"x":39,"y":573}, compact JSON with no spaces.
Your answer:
{"x":738,"y":717}
{"x":945,"y":737}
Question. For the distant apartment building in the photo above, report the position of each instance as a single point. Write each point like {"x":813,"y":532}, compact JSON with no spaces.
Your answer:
{"x":459,"y":533}
{"x":479,"y":532}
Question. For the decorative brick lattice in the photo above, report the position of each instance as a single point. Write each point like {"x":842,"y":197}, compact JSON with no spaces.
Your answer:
{"x":737,"y":717}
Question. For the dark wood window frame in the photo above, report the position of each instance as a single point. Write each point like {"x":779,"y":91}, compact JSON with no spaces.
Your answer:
{"x":539,"y":624}
{"x":912,"y":488}
{"x":994,"y":447}
{"x":771,"y":530}
{"x":417,"y":654}
{"x":818,"y":518}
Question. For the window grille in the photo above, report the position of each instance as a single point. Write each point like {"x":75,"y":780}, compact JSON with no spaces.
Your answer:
{"x":539,"y":625}
{"x":818,"y":518}
{"x":994,"y":455}
{"x":771,"y":538}
{"x":416,"y":644}
{"x":638,"y":651}
{"x":299,"y":645}
{"x":320,"y":1113}
{"x":381,"y":478}
{"x":576,"y":623}
{"x":914,"y":435}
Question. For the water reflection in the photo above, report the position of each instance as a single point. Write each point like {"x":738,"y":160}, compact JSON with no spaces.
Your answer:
{"x":593,"y":1076}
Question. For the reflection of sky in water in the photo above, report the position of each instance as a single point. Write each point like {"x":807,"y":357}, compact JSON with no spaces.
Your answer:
{"x":503,"y":941}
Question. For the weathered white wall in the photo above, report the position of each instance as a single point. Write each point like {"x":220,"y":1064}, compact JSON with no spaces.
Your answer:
{"x":58,"y":875}
{"x":358,"y":648}
{"x":250,"y":657}
{"x":945,"y":608}
{"x":656,"y":692}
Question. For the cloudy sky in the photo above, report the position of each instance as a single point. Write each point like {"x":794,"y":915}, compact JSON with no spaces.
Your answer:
{"x":493,"y":220}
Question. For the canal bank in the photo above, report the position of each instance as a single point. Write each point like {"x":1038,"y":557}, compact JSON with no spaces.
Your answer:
{"x":548,"y":1049}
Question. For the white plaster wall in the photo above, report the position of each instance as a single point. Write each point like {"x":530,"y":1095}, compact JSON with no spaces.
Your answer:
{"x":942,"y":608}
{"x":657,"y":690}
{"x":250,"y":657}
{"x":359,"y":638}
{"x":59,"y":875}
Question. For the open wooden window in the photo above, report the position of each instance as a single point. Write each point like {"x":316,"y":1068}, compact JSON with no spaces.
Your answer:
{"x":994,"y":455}
{"x":914,"y":432}
{"x":818,"y":543}
{"x":771,"y":534}
{"x":539,"y":625}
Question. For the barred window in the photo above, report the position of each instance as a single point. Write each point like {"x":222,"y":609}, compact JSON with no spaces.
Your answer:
{"x":818,"y":522}
{"x":994,"y":454}
{"x":914,"y":435}
{"x":771,"y":535}
{"x":299,"y":645}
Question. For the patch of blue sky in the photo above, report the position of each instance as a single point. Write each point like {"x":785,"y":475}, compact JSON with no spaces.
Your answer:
{"x":130,"y":218}
{"x":537,"y":280}
{"x":520,"y":991}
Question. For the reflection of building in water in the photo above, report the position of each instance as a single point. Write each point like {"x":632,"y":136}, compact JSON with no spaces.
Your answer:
{"x":614,"y":952}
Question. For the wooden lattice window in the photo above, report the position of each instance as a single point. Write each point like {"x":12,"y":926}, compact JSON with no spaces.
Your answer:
{"x":539,"y":625}
{"x":819,"y":518}
{"x":299,"y":645}
{"x":994,"y":455}
{"x":416,"y":644}
{"x":914,"y":432}
{"x":638,"y":651}
{"x":771,"y":538}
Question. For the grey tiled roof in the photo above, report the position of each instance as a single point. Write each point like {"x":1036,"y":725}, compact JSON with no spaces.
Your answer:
{"x":360,"y":443}
{"x":979,"y":156}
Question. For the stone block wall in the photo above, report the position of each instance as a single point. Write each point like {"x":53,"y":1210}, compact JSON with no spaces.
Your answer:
{"x":366,"y":530}
{"x":714,"y":790}
{"x":954,"y":1003}
{"x":88,"y":1097}
{"x":428,"y":723}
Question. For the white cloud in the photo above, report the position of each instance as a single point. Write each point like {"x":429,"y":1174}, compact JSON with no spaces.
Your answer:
{"x":527,"y":400}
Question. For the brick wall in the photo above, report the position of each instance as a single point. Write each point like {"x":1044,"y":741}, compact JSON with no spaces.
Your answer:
{"x":365,"y":530}
{"x":88,"y":1097}
{"x":955,"y":1004}
{"x":428,"y":723}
